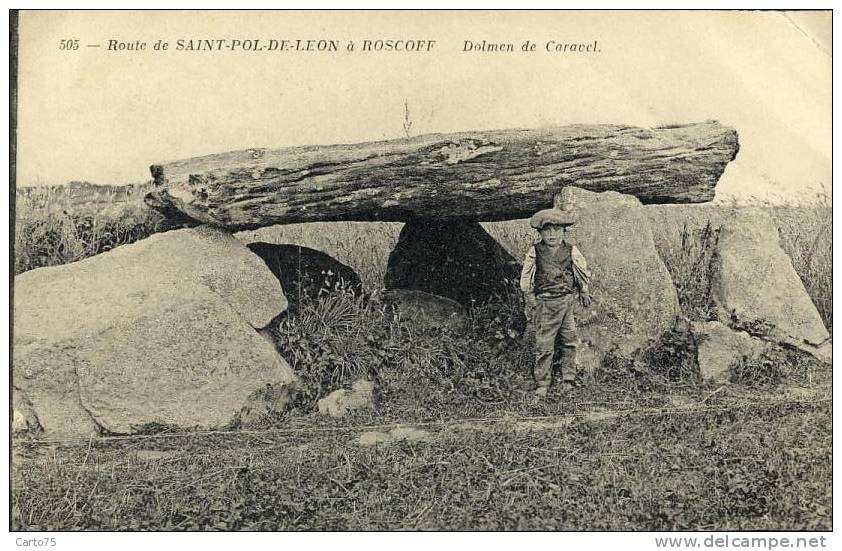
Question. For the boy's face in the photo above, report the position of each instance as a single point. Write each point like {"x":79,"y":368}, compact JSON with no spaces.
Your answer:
{"x":552,"y":234}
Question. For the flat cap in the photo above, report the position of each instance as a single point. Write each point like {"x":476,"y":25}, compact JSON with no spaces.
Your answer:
{"x":551,"y":216}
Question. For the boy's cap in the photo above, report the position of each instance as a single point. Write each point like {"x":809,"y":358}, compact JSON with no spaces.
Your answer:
{"x":551,"y":216}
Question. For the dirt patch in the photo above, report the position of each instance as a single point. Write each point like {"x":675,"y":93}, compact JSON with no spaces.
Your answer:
{"x":397,"y":434}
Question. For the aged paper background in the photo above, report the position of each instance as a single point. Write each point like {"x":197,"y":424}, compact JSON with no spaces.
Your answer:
{"x":105,"y":116}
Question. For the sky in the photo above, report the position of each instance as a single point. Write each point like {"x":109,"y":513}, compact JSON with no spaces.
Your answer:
{"x":105,"y":116}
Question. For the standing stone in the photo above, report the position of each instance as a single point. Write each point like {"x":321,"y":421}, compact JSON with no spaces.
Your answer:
{"x":634,"y":297}
{"x":757,"y":289}
{"x":160,"y":331}
{"x":457,"y":260}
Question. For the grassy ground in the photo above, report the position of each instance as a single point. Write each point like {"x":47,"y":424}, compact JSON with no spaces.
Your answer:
{"x":759,"y":468}
{"x":637,"y":446}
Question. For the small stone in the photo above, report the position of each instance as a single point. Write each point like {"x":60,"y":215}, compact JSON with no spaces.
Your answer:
{"x":373,"y":438}
{"x":720,"y":348}
{"x":19,"y":423}
{"x":409,"y":434}
{"x":427,"y":310}
{"x":340,"y":403}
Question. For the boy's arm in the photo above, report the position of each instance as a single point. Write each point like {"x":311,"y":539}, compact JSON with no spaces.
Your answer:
{"x":527,"y":274}
{"x":527,"y":283}
{"x":582,"y":276}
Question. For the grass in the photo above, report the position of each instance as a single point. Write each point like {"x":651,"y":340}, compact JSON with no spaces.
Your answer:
{"x":738,"y":458}
{"x":424,"y":372}
{"x":58,"y":225}
{"x":731,"y":469}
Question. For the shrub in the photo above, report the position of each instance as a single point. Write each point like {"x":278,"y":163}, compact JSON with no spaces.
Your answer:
{"x":336,"y":338}
{"x":327,"y":341}
{"x":674,"y":357}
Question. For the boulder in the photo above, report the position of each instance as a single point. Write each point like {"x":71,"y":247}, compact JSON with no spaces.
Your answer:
{"x":634,"y":297}
{"x":457,"y":260}
{"x":305,"y":272}
{"x":720,"y":347}
{"x":340,"y":403}
{"x":756,"y":288}
{"x":427,"y":310}
{"x":162,"y":331}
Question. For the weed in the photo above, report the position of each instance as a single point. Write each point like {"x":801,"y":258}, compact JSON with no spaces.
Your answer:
{"x":774,"y":366}
{"x":692,"y":266}
{"x":674,"y":356}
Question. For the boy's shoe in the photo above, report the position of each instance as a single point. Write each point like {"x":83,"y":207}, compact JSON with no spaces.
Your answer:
{"x":541,"y":392}
{"x":566,"y":386}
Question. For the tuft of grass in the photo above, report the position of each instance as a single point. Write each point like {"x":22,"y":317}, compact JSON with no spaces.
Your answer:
{"x":691,"y":265}
{"x":776,"y":365}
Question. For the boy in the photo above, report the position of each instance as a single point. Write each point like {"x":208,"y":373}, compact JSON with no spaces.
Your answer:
{"x":555,"y":276}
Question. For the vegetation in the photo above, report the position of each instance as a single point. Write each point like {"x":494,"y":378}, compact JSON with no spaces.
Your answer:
{"x":639,"y":445}
{"x":743,"y":468}
{"x":57,"y":225}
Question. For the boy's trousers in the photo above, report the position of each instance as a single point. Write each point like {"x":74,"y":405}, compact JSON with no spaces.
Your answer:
{"x":554,"y":319}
